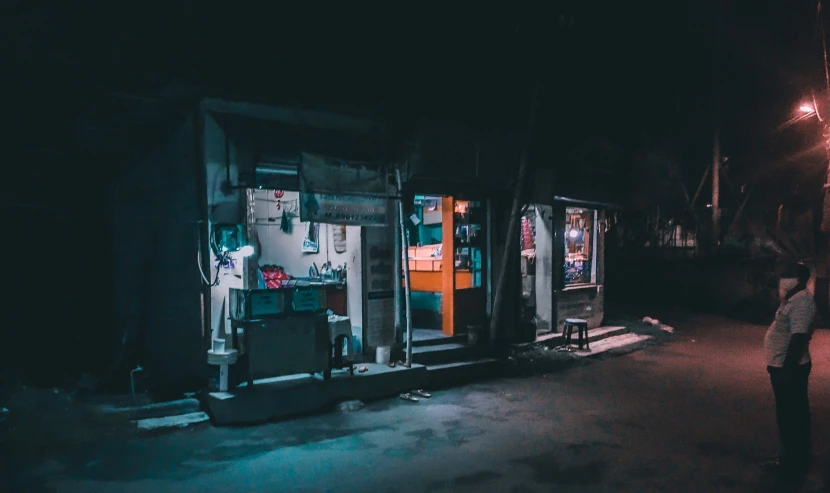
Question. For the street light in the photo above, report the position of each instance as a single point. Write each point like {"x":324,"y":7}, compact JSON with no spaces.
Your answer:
{"x":803,"y":112}
{"x":807,"y":108}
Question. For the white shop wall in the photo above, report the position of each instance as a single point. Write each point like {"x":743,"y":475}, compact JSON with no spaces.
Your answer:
{"x":222,"y":158}
{"x":225,"y":205}
{"x":544,"y":266}
{"x":285,"y":249}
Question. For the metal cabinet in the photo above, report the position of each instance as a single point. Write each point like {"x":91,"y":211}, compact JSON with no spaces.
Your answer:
{"x":288,"y":345}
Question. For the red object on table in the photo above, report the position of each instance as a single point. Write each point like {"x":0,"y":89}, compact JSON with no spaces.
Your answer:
{"x":273,"y":276}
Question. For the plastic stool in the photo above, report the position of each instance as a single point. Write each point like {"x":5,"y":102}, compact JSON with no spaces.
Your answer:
{"x":337,"y":359}
{"x":341,"y":326}
{"x":581,"y":327}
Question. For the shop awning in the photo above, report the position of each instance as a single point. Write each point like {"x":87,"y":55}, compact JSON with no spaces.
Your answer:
{"x":268,"y":142}
{"x":588,"y":204}
{"x":344,"y":192}
{"x":326,"y":174}
{"x":292,"y":116}
{"x":465,"y":189}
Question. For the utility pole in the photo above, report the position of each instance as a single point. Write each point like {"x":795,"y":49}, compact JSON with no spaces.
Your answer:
{"x":825,"y":209}
{"x":716,"y":141}
{"x":510,"y":243}
{"x":404,"y":254}
{"x":716,"y":162}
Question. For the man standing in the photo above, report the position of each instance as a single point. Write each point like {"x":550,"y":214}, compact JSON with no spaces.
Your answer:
{"x":786,"y":347}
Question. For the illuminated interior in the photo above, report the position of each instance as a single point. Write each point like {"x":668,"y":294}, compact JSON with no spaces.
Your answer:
{"x":580,"y":239}
{"x":446,"y":294}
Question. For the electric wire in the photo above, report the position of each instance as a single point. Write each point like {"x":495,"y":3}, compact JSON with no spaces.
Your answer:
{"x":223,"y":257}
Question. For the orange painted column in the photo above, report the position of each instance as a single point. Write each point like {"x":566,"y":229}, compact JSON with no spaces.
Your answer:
{"x":448,"y":265}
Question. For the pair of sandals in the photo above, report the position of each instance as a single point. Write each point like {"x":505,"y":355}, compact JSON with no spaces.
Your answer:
{"x":393,"y":364}
{"x":771,"y":464}
{"x":414,"y":396}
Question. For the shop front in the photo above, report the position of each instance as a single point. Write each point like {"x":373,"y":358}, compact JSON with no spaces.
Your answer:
{"x":260,"y":238}
{"x":562,"y":263}
{"x":447,"y":254}
{"x":456,"y":208}
{"x":300,"y":248}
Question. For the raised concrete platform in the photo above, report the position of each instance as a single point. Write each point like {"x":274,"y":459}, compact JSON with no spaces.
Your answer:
{"x":438,"y":354}
{"x":281,"y":397}
{"x":429,"y":337}
{"x":148,"y":411}
{"x":594,"y":335}
{"x":179,"y":421}
{"x":617,"y":342}
{"x":461,"y":372}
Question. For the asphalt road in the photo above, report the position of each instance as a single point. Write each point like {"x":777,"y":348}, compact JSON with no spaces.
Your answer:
{"x":692,"y":415}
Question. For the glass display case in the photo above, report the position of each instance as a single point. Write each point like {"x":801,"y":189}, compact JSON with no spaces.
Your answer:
{"x":469,"y":239}
{"x":580,"y":236}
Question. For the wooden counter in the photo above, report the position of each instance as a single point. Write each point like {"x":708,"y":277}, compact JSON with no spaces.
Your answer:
{"x":430,"y":281}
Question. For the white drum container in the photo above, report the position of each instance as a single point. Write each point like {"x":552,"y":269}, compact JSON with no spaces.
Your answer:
{"x":382,"y":354}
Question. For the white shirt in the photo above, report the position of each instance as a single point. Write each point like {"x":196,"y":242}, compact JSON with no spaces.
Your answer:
{"x":794,"y":316}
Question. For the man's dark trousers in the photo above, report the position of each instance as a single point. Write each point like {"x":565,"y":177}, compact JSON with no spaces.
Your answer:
{"x":792,"y":412}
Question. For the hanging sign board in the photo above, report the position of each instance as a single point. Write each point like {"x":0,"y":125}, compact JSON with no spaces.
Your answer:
{"x":338,"y":192}
{"x":343,"y":209}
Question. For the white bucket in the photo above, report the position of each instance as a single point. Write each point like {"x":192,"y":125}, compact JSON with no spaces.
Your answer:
{"x":218,"y":345}
{"x":382,"y":354}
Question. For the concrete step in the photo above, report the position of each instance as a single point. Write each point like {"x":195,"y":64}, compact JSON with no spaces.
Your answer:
{"x":298,"y":395}
{"x":442,"y":353}
{"x":594,"y":335}
{"x":462,"y":372}
{"x":157,"y":410}
{"x":438,"y":341}
{"x":179,"y":421}
{"x":619,"y":342}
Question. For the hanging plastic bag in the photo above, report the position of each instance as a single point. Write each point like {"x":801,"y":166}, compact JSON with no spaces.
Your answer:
{"x":339,"y":234}
{"x":285,"y":223}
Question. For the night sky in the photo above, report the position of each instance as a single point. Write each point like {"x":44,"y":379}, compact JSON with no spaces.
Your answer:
{"x":618,"y":82}
{"x":638,"y":75}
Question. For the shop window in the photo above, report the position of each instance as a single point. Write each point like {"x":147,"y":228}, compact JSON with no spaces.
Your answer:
{"x":469,"y":238}
{"x":427,"y":230}
{"x":580,"y":246}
